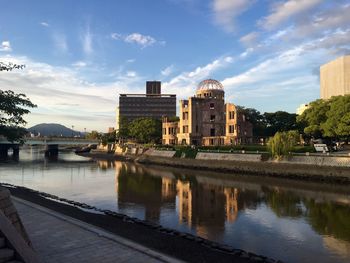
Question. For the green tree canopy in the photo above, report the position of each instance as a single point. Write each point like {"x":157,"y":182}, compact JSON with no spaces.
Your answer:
{"x":12,"y":108}
{"x":328,"y":118}
{"x":146,"y":130}
{"x":268,"y":123}
{"x":282,"y":143}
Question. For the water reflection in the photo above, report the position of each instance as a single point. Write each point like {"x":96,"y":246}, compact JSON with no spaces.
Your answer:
{"x":288,"y":220}
{"x":206,"y":204}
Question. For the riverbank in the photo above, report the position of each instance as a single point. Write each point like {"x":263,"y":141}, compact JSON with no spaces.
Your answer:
{"x":171,"y":242}
{"x":306,"y":172}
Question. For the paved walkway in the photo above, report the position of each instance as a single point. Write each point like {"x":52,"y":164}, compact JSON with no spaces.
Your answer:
{"x":58,"y":238}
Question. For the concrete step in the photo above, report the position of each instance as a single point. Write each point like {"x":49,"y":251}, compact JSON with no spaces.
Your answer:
{"x":2,"y":242}
{"x":6,"y":254}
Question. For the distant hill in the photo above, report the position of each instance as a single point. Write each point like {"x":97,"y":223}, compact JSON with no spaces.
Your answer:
{"x":53,"y":129}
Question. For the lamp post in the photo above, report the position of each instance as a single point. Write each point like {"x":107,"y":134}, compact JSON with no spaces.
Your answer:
{"x":72,"y":130}
{"x":85,"y":133}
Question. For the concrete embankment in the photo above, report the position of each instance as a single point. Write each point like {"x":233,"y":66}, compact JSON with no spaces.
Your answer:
{"x":260,"y":168}
{"x":309,"y":167}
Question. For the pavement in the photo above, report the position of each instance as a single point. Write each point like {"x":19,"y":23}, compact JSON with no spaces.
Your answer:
{"x":58,"y":238}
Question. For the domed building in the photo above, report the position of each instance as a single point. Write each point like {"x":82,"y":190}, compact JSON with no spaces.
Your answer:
{"x":205,"y":119}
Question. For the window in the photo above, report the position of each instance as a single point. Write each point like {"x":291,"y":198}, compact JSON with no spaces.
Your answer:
{"x":231,"y":115}
{"x":169,"y":130}
{"x":164,"y":131}
{"x":185,"y":115}
{"x":196,"y":128}
{"x":185,"y":129}
{"x":243,"y":117}
{"x":231,"y":128}
{"x":212,"y":117}
{"x":212,"y":132}
{"x":211,"y":106}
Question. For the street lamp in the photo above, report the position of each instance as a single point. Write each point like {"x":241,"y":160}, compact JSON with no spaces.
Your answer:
{"x":72,"y":130}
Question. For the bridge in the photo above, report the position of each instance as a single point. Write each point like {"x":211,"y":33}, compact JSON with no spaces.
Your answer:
{"x":51,"y":144}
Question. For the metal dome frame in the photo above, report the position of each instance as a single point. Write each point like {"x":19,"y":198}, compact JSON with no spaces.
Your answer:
{"x":210,"y":84}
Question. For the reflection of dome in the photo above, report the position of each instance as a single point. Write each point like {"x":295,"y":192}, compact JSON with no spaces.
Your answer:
{"x":210,"y":84}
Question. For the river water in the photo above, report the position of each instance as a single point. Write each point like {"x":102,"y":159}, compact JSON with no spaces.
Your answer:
{"x":289,"y":220}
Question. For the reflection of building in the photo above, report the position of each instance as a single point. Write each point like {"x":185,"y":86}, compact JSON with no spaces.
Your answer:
{"x":335,"y":77}
{"x":205,"y":119}
{"x":153,"y":104}
{"x":184,"y":194}
{"x":231,"y":195}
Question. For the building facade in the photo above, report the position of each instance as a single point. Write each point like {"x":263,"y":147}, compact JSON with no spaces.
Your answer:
{"x":335,"y":77}
{"x":153,"y":104}
{"x":206,"y":119}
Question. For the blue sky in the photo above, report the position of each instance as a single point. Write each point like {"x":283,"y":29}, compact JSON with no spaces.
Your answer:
{"x":80,"y":55}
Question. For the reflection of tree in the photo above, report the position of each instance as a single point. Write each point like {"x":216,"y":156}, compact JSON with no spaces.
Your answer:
{"x":325,"y":218}
{"x":329,"y":218}
{"x":136,"y":186}
{"x":283,"y":203}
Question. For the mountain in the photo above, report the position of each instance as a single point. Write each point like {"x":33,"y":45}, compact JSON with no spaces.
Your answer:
{"x":53,"y":129}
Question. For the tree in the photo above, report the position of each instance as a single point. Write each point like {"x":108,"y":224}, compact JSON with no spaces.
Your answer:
{"x":280,"y":121}
{"x":10,"y":66}
{"x":314,"y":116}
{"x":328,"y":118}
{"x":256,"y":119}
{"x":337,"y":123}
{"x":146,"y":130}
{"x":282,"y":143}
{"x":12,"y":108}
{"x":123,"y":131}
{"x":93,"y":135}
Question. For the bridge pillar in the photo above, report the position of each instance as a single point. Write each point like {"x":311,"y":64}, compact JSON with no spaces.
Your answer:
{"x":4,"y":150}
{"x":51,"y":150}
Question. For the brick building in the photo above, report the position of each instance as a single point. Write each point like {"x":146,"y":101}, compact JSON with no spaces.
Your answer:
{"x":206,"y":119}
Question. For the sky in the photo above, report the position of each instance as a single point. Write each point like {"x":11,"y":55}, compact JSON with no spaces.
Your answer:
{"x":80,"y":55}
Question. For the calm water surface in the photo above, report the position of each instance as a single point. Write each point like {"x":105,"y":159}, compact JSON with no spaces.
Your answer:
{"x":288,"y":220}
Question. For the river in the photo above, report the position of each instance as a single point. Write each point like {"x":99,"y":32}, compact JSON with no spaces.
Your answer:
{"x":293,"y":221}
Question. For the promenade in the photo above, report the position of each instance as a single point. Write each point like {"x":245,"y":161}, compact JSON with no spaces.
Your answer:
{"x":58,"y":238}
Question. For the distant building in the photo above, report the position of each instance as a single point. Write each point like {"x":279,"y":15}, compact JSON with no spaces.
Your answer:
{"x":205,"y":119}
{"x":335,"y":77}
{"x":153,"y":104}
{"x":302,"y":108}
{"x":111,"y":129}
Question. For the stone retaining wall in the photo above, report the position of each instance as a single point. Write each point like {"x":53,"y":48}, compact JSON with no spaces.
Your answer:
{"x":341,"y":161}
{"x":229,"y":156}
{"x":275,"y":169}
{"x":153,"y":152}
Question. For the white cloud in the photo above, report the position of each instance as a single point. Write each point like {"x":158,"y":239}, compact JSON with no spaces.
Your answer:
{"x":249,"y":39}
{"x":87,"y":42}
{"x":60,"y":42}
{"x":131,"y":74}
{"x":79,"y":64}
{"x":131,"y":60}
{"x":45,"y":24}
{"x":137,"y":38}
{"x":226,"y":11}
{"x":187,"y":81}
{"x":167,"y":71}
{"x":5,"y":46}
{"x":64,"y":96}
{"x":283,"y":11}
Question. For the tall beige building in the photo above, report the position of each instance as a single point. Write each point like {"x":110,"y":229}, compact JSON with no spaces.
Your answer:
{"x":335,"y":77}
